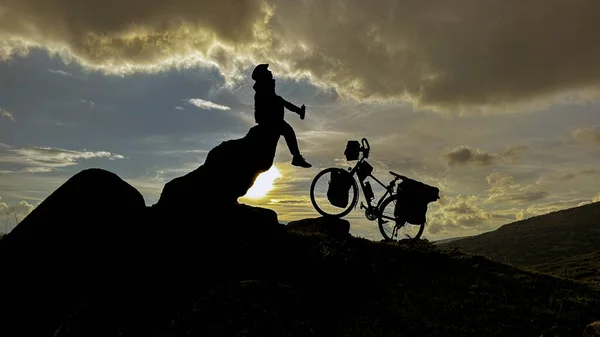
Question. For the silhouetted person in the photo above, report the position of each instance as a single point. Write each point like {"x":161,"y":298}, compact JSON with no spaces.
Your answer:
{"x":269,"y":111}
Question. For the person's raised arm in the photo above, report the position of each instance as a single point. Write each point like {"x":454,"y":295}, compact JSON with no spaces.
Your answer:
{"x":299,"y":110}
{"x":291,"y":106}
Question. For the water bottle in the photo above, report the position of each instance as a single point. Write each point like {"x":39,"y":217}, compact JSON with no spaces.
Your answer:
{"x":368,"y":191}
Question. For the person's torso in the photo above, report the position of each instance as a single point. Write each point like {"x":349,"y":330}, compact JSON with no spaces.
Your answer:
{"x":268,"y":108}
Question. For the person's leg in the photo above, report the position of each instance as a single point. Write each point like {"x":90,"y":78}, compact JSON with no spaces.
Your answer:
{"x":290,"y":138}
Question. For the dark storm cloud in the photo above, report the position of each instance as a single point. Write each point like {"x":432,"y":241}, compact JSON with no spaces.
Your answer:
{"x":131,"y":31}
{"x":436,"y":53}
{"x":464,"y":155}
{"x":450,"y":52}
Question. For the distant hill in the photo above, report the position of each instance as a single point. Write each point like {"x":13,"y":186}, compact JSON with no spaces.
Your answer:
{"x":540,"y":239}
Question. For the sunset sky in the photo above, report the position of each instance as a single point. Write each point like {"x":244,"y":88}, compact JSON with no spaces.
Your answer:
{"x":495,"y":102}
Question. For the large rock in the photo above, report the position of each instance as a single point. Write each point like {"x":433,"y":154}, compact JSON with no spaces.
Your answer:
{"x":331,"y":226}
{"x":89,"y":204}
{"x":94,"y":241}
{"x":76,"y":237}
{"x":228,"y":172}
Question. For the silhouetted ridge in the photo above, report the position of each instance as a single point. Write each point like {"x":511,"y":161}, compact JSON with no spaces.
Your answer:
{"x":78,"y":236}
{"x":93,"y":261}
{"x":94,"y":241}
{"x":539,"y":239}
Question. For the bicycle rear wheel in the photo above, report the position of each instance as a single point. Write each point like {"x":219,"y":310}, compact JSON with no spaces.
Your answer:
{"x":391,"y":229}
{"x":318,"y":194}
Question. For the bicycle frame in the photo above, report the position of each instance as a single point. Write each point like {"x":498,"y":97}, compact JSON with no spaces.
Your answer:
{"x":389,"y":189}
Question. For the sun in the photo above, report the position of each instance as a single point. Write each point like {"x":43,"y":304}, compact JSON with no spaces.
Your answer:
{"x":263,"y":183}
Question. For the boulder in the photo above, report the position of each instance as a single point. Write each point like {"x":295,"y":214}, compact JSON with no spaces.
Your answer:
{"x":76,"y":236}
{"x":228,"y":172}
{"x":331,"y":226}
{"x":89,"y":204}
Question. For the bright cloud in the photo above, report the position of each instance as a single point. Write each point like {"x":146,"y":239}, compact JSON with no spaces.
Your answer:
{"x":505,"y":189}
{"x":589,"y":136}
{"x":206,"y":105}
{"x":46,"y":159}
{"x":547,"y":207}
{"x":60,"y":72}
{"x":6,"y":114}
{"x":11,"y":215}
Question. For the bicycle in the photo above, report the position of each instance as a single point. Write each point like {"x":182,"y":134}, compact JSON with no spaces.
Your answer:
{"x":382,"y":211}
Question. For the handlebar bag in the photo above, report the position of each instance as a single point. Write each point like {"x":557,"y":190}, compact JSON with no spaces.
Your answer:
{"x":352,"y":150}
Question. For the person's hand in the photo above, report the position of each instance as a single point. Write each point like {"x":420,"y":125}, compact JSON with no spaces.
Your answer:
{"x":302,"y":111}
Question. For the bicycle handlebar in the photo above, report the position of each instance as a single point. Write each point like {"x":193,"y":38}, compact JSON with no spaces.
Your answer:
{"x":367,"y":147}
{"x":396,"y":175}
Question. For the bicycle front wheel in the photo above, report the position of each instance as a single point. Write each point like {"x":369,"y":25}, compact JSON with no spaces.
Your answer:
{"x":318,"y":194}
{"x":391,"y":229}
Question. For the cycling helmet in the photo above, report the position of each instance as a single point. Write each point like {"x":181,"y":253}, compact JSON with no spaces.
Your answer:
{"x":261,"y":72}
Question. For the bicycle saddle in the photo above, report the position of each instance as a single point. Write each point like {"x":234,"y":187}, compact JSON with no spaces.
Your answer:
{"x":396,"y":175}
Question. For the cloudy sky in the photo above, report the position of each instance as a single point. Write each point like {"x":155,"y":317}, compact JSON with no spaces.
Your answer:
{"x":494,"y":102}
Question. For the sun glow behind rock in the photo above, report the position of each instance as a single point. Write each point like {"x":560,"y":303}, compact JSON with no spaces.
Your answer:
{"x":264,"y":183}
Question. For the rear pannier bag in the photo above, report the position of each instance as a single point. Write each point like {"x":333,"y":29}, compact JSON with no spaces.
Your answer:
{"x":339,"y":187}
{"x":413,"y":198}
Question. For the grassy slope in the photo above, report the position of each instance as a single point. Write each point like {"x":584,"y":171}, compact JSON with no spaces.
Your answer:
{"x":539,"y":239}
{"x":306,"y":285}
{"x":444,"y":241}
{"x":584,"y":267}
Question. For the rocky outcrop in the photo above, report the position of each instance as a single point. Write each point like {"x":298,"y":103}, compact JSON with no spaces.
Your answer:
{"x":94,"y":240}
{"x":89,"y":204}
{"x":76,"y":237}
{"x":228,"y":172}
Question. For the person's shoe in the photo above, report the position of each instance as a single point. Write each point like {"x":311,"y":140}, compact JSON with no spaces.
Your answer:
{"x":302,"y":112}
{"x":299,"y":161}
